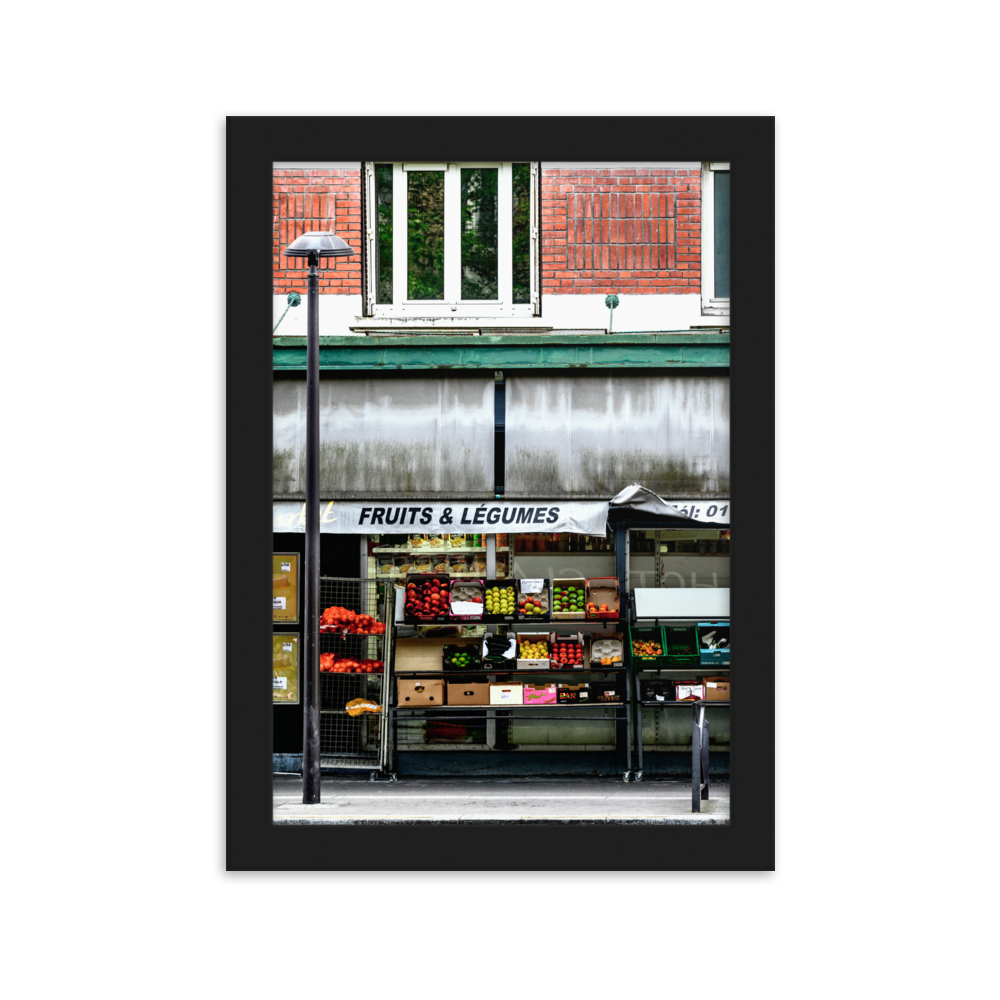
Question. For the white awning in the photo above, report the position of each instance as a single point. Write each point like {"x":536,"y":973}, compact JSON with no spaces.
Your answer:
{"x":380,"y":517}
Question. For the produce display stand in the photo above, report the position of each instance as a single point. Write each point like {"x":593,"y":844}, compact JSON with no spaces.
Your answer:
{"x":346,"y":741}
{"x":700,"y":724}
{"x":619,"y":713}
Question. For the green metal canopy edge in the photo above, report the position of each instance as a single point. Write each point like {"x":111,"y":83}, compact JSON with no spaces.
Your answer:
{"x":635,"y":350}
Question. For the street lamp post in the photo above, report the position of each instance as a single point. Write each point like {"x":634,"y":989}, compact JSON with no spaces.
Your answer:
{"x":313,"y":246}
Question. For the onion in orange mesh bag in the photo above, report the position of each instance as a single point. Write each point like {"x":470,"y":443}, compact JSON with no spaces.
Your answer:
{"x":359,"y":705}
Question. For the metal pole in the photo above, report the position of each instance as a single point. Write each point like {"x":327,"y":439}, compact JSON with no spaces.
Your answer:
{"x":310,"y":671}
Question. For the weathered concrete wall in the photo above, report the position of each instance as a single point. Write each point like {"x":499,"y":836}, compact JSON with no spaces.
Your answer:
{"x":388,"y":437}
{"x":572,"y":436}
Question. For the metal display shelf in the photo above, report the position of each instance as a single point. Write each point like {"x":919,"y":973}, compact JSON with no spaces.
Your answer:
{"x":620,"y":714}
{"x":489,"y":671}
{"x":457,"y":550}
{"x":699,"y":724}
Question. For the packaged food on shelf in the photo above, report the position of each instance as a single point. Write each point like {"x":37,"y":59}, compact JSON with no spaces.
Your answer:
{"x":466,"y":600}
{"x":568,"y":598}
{"x":606,"y":650}
{"x":422,"y":563}
{"x":457,"y":540}
{"x":539,"y":694}
{"x":418,"y":541}
{"x":403,"y":564}
{"x":440,"y":564}
{"x":468,"y":692}
{"x":435,"y":541}
{"x":477,"y":563}
{"x":386,"y":566}
{"x":602,"y":597}
{"x":458,"y":564}
{"x":506,"y":694}
{"x":713,"y":643}
{"x":573,"y":693}
{"x":716,"y":688}
{"x":501,"y":541}
{"x":419,"y":691}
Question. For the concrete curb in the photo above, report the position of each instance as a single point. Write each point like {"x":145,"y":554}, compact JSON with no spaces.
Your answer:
{"x":461,"y":821}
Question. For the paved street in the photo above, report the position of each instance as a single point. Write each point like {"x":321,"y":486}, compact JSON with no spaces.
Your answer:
{"x":496,"y":800}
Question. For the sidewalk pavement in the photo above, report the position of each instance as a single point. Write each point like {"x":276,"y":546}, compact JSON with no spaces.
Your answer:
{"x":497,"y":800}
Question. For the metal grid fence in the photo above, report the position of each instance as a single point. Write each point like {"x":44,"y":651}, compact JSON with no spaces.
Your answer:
{"x":344,"y":740}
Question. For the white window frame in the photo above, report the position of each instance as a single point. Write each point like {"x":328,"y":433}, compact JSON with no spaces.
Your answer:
{"x":710,"y":304}
{"x":452,"y":305}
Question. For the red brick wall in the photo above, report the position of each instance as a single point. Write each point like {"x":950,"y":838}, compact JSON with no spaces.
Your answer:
{"x":317,"y":199}
{"x":634,"y":231}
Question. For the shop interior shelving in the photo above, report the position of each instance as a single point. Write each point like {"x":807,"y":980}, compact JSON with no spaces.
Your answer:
{"x":620,"y":711}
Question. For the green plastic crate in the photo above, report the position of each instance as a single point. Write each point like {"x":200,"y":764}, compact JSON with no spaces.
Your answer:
{"x":681,"y":645}
{"x":654,"y":634}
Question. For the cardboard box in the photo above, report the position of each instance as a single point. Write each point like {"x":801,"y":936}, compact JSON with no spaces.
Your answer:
{"x":579,"y":693}
{"x":540,"y":664}
{"x":574,"y":638}
{"x":607,"y":647}
{"x":607,"y":694}
{"x":468,"y":693}
{"x":491,"y":587}
{"x":466,"y":601}
{"x":563,"y":583}
{"x":451,"y":652}
{"x":716,"y":631}
{"x":427,"y":653}
{"x":658,"y":690}
{"x":689,"y":691}
{"x":418,"y":691}
{"x":716,"y":688}
{"x":603,"y":590}
{"x":542,"y":595}
{"x":539,"y":694}
{"x":506,"y":694}
{"x":420,"y":580}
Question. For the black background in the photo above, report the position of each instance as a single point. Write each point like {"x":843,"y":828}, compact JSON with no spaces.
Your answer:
{"x":253,"y":843}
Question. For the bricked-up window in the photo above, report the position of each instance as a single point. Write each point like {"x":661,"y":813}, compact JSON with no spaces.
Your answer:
{"x":715,"y":298}
{"x":451,"y":240}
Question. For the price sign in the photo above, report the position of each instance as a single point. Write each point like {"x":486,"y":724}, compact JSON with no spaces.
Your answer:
{"x":532,"y":586}
{"x":279,"y":603}
{"x":281,"y":683}
{"x":286,"y":647}
{"x":286,"y":567}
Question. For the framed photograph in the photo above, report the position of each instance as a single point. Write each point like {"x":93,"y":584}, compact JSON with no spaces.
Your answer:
{"x":286,"y":587}
{"x":285,"y":666}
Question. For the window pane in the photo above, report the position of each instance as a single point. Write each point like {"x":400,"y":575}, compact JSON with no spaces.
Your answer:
{"x":721,"y":234}
{"x":522,"y":238}
{"x":425,"y":234}
{"x":479,"y":233}
{"x":383,"y":229}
